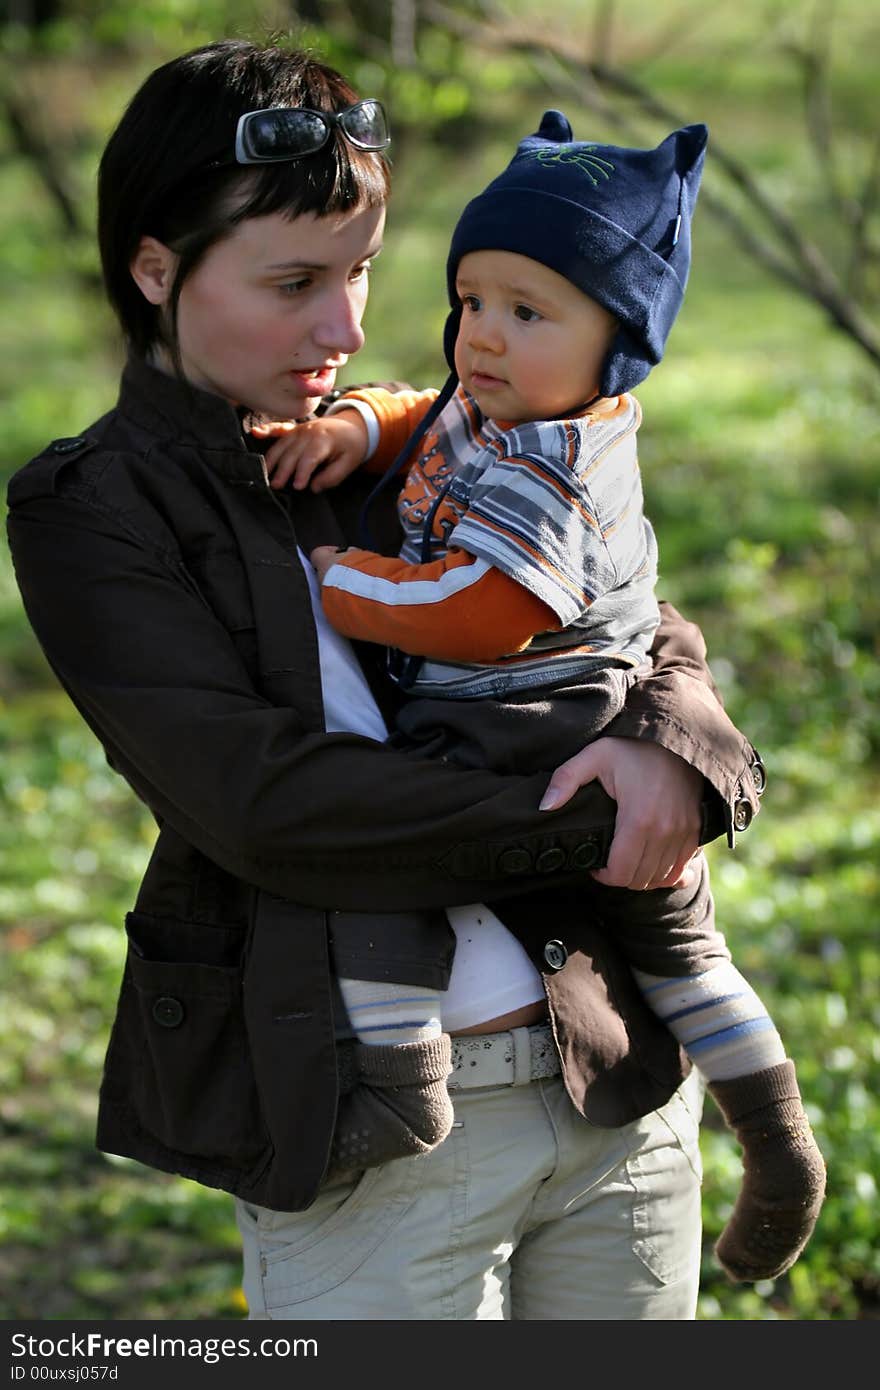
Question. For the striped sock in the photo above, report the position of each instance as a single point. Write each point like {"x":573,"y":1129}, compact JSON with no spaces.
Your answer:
{"x":718,"y":1019}
{"x":387,"y":1013}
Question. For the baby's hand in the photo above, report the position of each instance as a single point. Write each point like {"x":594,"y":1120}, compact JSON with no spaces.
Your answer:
{"x":322,"y":452}
{"x":323,"y":556}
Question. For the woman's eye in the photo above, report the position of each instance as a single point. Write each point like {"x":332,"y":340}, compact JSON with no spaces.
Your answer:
{"x":470,"y":302}
{"x":293,"y":287}
{"x":527,"y":315}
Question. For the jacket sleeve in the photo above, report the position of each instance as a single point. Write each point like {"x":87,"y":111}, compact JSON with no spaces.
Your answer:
{"x":458,"y":608}
{"x":331,"y":820}
{"x":679,"y":706}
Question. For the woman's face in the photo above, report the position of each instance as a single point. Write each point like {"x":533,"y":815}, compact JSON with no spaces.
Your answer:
{"x":271,"y":312}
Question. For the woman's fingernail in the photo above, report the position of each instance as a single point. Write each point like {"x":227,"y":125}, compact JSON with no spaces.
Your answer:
{"x":551,"y":798}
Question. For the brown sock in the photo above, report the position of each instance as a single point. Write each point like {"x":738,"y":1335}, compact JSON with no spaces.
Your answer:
{"x":393,"y":1103}
{"x":783,"y":1174}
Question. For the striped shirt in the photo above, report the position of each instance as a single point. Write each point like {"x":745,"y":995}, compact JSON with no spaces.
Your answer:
{"x":541,"y":564}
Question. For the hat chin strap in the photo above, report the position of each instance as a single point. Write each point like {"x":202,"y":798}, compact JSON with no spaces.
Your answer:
{"x":579,"y":409}
{"x":450,"y":334}
{"x":403,"y":458}
{"x":402,"y":667}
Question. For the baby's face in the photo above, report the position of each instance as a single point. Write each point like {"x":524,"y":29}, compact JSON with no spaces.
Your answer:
{"x":531,"y":344}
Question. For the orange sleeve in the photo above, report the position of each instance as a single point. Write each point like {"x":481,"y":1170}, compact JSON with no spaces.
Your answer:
{"x":478,"y":621}
{"x":397,"y":413}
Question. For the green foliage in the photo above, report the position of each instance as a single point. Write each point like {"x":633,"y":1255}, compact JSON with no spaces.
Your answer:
{"x":760,"y":454}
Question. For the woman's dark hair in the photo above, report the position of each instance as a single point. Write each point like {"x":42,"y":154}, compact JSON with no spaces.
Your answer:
{"x":159,"y":173}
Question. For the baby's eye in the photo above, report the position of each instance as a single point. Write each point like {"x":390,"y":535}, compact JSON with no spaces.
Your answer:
{"x":471,"y":302}
{"x":527,"y":315}
{"x":361,"y":272}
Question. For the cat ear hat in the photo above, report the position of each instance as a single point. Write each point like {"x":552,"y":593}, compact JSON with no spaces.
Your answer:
{"x":616,"y":222}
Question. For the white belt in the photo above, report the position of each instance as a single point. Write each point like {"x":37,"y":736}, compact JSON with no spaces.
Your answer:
{"x":513,"y":1058}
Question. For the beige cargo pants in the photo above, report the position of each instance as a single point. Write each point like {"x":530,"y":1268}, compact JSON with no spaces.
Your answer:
{"x":524,"y":1212}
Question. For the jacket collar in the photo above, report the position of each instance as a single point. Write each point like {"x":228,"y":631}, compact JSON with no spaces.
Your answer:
{"x":175,"y":411}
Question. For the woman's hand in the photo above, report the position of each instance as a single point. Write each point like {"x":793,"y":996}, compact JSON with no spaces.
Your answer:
{"x":658,"y":799}
{"x":320,"y":452}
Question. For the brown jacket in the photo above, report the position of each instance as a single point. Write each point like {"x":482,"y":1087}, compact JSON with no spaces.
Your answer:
{"x":158,"y":571}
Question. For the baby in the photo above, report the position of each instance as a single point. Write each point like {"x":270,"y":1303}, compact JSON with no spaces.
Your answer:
{"x":521,"y":606}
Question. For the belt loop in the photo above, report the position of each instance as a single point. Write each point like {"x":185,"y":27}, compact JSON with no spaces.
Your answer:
{"x":522,"y":1056}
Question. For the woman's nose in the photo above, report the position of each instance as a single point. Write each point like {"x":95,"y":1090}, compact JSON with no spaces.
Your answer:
{"x":339,"y":326}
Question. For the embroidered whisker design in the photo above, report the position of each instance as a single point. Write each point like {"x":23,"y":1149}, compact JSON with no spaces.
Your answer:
{"x":582,"y":157}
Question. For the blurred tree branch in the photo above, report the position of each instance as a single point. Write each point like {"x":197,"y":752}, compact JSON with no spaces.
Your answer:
{"x":403,"y":33}
{"x":787,"y":253}
{"x":814,"y":58}
{"x":863,"y":250}
{"x":31,"y":145}
{"x":46,"y":161}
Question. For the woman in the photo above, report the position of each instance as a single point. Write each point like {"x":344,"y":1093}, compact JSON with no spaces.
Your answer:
{"x":167,"y":584}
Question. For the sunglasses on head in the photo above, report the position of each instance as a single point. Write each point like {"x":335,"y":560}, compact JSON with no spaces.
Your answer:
{"x":289,"y":132}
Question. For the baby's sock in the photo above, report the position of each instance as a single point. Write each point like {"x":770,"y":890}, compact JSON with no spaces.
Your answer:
{"x":388,"y":1013}
{"x":394,"y":1103}
{"x":728,"y":1034}
{"x":783,"y":1174}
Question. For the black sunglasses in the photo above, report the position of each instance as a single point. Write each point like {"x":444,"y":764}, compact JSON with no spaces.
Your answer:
{"x":289,"y":132}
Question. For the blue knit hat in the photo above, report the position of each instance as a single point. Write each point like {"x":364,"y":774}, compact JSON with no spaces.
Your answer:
{"x":613,"y":221}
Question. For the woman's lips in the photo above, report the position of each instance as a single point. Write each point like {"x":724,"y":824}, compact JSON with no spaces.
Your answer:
{"x":314,"y":383}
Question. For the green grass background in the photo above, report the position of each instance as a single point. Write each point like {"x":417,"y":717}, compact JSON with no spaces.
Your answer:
{"x":760,"y":457}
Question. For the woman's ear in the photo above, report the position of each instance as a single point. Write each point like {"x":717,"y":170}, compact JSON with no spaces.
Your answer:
{"x":153,"y":267}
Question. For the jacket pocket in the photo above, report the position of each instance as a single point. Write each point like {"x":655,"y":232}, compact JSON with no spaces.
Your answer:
{"x":220,"y":579}
{"x":193,"y":1083}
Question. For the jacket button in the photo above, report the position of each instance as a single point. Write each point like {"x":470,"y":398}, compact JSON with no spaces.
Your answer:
{"x":759,"y":776}
{"x":555,"y":955}
{"x":549,"y":860}
{"x":515,"y":861}
{"x":585,"y":855}
{"x":742,"y":815}
{"x":68,"y":446}
{"x":168,"y":1012}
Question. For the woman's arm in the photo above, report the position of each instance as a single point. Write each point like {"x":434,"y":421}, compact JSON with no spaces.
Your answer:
{"x":678,"y":706}
{"x":658,"y":795}
{"x":332,"y":820}
{"x":670,"y":747}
